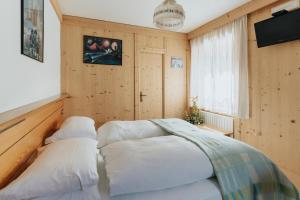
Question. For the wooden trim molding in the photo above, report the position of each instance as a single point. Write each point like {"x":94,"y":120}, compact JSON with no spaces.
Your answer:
{"x":245,"y":9}
{"x":10,"y":117}
{"x":136,"y":79}
{"x":113,"y":26}
{"x":57,"y":10}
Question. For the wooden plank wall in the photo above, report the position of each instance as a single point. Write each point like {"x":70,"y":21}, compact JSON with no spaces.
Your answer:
{"x":108,"y":93}
{"x":176,"y":79}
{"x":274,"y":126}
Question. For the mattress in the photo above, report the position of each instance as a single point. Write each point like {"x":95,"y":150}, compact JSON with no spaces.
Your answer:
{"x":202,"y":190}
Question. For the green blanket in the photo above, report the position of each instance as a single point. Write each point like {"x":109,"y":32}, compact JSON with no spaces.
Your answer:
{"x":243,"y":172}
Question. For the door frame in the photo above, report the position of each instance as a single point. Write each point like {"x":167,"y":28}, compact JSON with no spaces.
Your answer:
{"x":138,"y":50}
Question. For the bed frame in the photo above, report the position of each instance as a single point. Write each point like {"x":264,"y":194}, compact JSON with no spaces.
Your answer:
{"x":23,"y":131}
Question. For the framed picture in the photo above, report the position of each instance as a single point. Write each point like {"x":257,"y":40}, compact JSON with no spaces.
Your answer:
{"x":176,"y":63}
{"x":32,"y":29}
{"x":105,"y":51}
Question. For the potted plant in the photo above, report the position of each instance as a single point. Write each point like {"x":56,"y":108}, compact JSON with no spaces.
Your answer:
{"x":193,"y":115}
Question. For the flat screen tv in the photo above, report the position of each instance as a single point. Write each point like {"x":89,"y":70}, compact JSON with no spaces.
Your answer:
{"x":278,"y":29}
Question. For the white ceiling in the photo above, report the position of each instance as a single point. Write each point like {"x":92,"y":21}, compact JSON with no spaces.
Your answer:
{"x":140,"y":12}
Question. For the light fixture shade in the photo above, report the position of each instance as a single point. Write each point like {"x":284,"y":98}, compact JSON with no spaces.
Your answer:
{"x":169,"y":16}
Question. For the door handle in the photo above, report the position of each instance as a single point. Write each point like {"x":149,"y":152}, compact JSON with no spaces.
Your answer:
{"x":141,"y":96}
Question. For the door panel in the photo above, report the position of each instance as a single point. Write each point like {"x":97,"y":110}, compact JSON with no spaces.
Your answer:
{"x":151,"y":85}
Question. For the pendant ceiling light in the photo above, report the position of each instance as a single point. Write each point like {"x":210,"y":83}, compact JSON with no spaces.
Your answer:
{"x":169,"y":16}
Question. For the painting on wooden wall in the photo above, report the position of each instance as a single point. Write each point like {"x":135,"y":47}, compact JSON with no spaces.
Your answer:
{"x":176,"y":63}
{"x":32,"y":29}
{"x":105,"y":51}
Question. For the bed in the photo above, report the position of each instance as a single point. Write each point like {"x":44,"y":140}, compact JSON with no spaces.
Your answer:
{"x":134,"y":160}
{"x":239,"y":170}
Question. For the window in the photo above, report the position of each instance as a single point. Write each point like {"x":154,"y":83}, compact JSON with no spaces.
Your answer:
{"x":219,"y":70}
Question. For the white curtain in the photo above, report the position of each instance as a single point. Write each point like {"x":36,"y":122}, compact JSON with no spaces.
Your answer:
{"x":219,"y":70}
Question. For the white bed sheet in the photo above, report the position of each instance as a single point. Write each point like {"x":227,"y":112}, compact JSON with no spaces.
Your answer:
{"x":204,"y":190}
{"x":92,"y":193}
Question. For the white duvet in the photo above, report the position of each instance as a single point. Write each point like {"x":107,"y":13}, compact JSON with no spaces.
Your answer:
{"x":152,"y":164}
{"x":202,"y":190}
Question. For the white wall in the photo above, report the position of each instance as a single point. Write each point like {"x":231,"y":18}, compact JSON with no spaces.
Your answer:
{"x":23,"y":80}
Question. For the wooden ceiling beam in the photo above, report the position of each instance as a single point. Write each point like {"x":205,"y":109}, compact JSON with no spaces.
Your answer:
{"x":57,"y":9}
{"x":245,"y":9}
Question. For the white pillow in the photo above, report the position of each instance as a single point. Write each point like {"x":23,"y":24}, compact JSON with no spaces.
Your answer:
{"x":74,"y":127}
{"x":64,"y":166}
{"x":115,"y":131}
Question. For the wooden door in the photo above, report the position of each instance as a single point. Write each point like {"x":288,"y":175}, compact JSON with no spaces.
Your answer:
{"x":150,"y":89}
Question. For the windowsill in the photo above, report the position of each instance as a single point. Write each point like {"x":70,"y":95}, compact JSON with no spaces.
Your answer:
{"x":215,"y":130}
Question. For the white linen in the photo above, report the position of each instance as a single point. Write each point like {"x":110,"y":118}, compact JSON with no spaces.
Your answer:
{"x":91,"y":193}
{"x":73,"y":127}
{"x":115,"y":131}
{"x":154,"y":164}
{"x":63,"y":166}
{"x":202,"y":190}
{"x":219,"y":69}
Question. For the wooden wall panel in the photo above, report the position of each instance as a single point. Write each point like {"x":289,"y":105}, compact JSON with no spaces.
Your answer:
{"x":71,"y":70}
{"x":150,"y":41}
{"x":107,"y":93}
{"x":274,"y":126}
{"x":176,"y":79}
{"x":115,"y":85}
{"x":102,"y":92}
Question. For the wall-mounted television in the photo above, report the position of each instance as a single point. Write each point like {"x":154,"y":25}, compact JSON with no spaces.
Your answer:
{"x":278,"y":29}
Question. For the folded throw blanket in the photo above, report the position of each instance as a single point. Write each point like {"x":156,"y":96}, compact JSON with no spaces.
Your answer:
{"x":243,"y":172}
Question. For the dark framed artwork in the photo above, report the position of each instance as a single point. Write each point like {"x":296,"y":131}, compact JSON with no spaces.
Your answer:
{"x":99,"y":50}
{"x":32,"y":29}
{"x":176,"y":63}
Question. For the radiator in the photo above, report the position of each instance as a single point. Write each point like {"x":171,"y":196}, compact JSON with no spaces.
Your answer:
{"x":221,"y":122}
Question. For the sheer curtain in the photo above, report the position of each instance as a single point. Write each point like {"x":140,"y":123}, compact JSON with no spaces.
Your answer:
{"x":219,"y":70}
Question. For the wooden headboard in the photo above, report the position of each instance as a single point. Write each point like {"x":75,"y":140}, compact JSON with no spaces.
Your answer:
{"x":22,"y":132}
